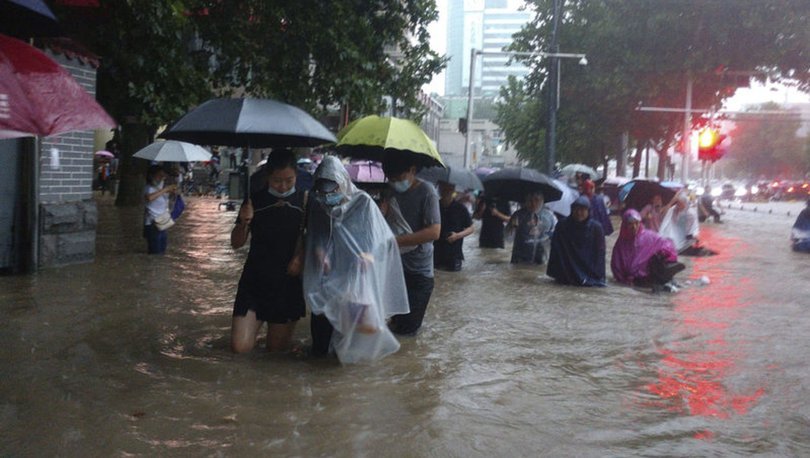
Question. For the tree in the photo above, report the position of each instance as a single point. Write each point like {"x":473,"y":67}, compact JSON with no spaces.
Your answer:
{"x":161,"y":58}
{"x":643,"y":53}
{"x":767,"y":145}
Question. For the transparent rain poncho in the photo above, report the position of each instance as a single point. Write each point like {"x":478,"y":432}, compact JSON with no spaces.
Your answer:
{"x":680,"y":226}
{"x":352,"y":270}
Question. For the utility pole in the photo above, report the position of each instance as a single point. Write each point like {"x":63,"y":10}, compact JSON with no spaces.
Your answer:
{"x":553,"y":91}
{"x":468,"y":134}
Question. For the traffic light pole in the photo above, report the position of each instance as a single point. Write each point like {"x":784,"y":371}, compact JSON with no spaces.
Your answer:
{"x":687,"y":129}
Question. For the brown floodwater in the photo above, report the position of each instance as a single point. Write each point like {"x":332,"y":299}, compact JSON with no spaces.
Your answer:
{"x":129,"y":356}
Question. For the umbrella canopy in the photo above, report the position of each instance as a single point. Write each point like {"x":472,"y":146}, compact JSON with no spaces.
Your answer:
{"x":638,"y":193}
{"x":28,"y":18}
{"x":41,"y":97}
{"x":256,"y":123}
{"x":375,"y":137}
{"x":104,"y":153}
{"x":365,"y":172}
{"x":572,"y":169}
{"x":462,"y":178}
{"x":515,"y":183}
{"x":173,"y":151}
{"x":569,"y":195}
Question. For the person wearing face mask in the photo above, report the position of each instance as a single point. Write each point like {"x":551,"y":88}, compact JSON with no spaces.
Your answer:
{"x":448,"y":250}
{"x":270,"y":288}
{"x":157,"y":203}
{"x":418,"y":203}
{"x":578,"y":248}
{"x":353,"y":278}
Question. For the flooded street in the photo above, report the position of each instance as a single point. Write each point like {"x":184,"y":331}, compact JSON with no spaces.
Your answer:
{"x":130,"y":356}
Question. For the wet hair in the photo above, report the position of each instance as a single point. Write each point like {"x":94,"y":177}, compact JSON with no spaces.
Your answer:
{"x":397,"y":164}
{"x":534,"y":194}
{"x":153,"y":170}
{"x":281,"y":158}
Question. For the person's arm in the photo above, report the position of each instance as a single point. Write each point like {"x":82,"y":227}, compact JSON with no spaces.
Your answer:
{"x":503,"y":217}
{"x":479,"y":210}
{"x":240,"y":232}
{"x":461,"y":234}
{"x":168,"y":189}
{"x":424,"y":235}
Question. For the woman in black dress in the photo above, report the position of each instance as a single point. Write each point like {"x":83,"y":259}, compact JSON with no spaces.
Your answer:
{"x":270,"y":288}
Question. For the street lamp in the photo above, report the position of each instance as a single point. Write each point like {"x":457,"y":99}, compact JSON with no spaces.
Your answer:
{"x":474,"y":53}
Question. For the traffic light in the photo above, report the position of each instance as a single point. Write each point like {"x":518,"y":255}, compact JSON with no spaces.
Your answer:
{"x":462,"y":125}
{"x":709,"y":145}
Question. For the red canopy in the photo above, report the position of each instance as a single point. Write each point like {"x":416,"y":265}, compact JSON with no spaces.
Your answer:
{"x":39,"y":97}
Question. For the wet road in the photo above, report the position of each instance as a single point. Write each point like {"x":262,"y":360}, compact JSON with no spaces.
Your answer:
{"x":129,"y":356}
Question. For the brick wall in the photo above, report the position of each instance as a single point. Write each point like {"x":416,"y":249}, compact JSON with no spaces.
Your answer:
{"x":74,"y":179}
{"x":68,"y":214}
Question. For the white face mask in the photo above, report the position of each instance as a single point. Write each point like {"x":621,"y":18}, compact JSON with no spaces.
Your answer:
{"x":401,"y":186}
{"x":160,"y":183}
{"x":275,"y":193}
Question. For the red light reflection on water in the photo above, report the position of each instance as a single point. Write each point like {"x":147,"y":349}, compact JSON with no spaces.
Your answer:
{"x":694,"y":368}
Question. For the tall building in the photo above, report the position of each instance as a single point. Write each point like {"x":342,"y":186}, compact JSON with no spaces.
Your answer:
{"x":486,"y":25}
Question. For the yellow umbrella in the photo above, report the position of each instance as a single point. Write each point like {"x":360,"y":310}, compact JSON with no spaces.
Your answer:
{"x":376,"y":137}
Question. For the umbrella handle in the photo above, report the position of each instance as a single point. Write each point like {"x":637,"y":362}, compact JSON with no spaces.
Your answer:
{"x":244,"y":169}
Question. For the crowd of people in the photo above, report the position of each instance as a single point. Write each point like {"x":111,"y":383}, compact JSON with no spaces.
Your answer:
{"x":365,"y":266}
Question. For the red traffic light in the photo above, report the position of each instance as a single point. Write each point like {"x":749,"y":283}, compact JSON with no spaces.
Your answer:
{"x":709,"y":140}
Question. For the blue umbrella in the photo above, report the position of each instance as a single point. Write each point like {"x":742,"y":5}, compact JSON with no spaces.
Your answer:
{"x":638,"y":193}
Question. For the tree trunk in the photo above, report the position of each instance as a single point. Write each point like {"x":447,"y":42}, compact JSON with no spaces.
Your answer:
{"x":663,"y":163}
{"x":132,"y":171}
{"x":637,"y":158}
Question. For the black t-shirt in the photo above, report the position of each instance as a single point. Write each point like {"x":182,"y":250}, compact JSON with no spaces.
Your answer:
{"x":492,"y":226}
{"x":455,"y":218}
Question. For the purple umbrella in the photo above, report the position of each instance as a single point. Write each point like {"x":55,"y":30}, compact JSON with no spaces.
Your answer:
{"x":365,"y":172}
{"x":104,"y":153}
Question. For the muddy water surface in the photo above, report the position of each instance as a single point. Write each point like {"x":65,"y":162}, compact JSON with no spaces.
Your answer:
{"x":129,"y":356}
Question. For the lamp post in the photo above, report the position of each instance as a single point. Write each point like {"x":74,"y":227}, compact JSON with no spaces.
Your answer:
{"x":551,"y":133}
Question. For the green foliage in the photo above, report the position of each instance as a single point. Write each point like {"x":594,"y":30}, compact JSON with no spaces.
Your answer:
{"x":767,"y":145}
{"x":160,"y":58}
{"x":315,"y":53}
{"x":641,"y":52}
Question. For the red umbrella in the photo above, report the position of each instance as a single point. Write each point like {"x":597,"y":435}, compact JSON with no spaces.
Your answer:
{"x":39,"y":97}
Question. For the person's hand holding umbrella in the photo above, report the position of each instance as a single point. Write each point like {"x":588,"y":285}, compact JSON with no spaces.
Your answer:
{"x":240,"y":233}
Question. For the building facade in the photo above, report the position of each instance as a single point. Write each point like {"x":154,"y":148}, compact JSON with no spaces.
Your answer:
{"x":486,"y":25}
{"x":48,"y":215}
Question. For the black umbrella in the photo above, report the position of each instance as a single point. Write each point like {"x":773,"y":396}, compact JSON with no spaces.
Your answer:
{"x":254,"y":123}
{"x":251,"y":123}
{"x":638,"y":193}
{"x":460,"y":177}
{"x":28,"y":18}
{"x":515,"y":183}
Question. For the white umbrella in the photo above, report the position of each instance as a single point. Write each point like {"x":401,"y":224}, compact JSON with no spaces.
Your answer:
{"x":563,"y":206}
{"x":173,"y":151}
{"x":572,"y":169}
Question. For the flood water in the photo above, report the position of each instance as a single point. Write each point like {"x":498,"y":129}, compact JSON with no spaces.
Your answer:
{"x":129,"y":356}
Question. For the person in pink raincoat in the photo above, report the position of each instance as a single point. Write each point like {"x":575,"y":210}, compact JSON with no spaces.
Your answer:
{"x":641,"y":257}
